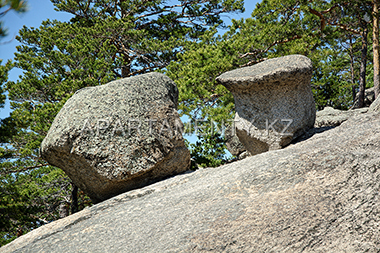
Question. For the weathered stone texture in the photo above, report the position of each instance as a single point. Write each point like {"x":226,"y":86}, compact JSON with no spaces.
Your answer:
{"x":233,"y":144}
{"x":375,"y":106}
{"x":273,"y":102}
{"x":119,"y":136}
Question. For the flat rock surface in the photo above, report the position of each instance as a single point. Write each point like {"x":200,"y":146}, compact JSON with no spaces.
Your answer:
{"x":264,"y":73}
{"x":318,"y":195}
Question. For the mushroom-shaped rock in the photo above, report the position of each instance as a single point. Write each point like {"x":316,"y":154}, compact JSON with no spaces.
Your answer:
{"x":273,"y":101}
{"x":119,"y":136}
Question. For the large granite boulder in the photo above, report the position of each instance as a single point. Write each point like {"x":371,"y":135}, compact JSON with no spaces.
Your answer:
{"x":274,"y":103}
{"x":319,"y":195}
{"x":119,"y":136}
{"x":334,"y":117}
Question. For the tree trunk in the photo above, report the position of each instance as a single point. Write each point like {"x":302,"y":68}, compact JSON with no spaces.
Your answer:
{"x":363,"y":64}
{"x":126,"y":68}
{"x":63,"y":210}
{"x":20,"y":231}
{"x":352,"y":67}
{"x":74,"y":199}
{"x":376,"y":60}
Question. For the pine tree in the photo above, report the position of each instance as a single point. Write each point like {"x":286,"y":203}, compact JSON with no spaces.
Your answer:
{"x":353,"y":17}
{"x":376,"y":53}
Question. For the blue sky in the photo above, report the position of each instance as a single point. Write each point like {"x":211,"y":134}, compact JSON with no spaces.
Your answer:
{"x":40,"y":10}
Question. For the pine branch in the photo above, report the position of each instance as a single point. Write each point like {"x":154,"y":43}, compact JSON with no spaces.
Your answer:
{"x":256,"y":52}
{"x":324,"y":21}
{"x":5,"y":12}
{"x":253,"y":62}
{"x":13,"y":169}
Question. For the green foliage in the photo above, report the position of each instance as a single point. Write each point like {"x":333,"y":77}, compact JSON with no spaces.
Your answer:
{"x":335,"y":83}
{"x":195,"y":72}
{"x":210,"y":149}
{"x":148,"y":34}
{"x":16,"y":208}
{"x":350,"y":19}
{"x":31,"y":199}
{"x":4,"y":69}
{"x":331,"y":84}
